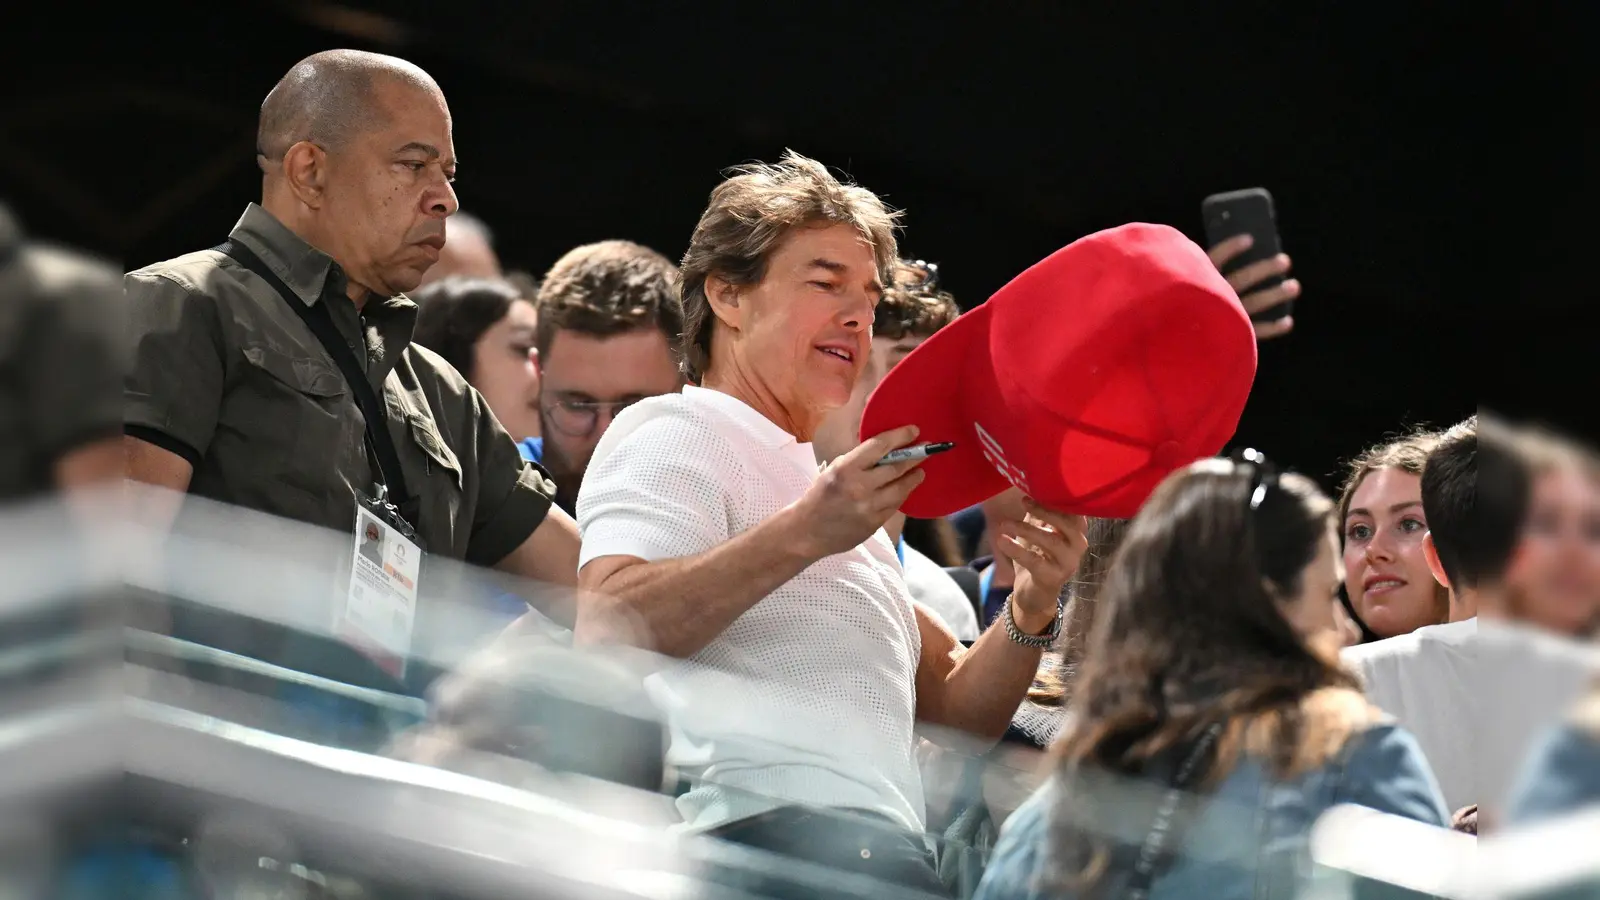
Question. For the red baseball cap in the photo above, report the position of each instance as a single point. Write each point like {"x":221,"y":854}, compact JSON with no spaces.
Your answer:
{"x":1084,"y":381}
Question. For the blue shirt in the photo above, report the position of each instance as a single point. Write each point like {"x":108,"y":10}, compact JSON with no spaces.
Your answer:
{"x":532,"y":449}
{"x":1252,"y":837}
{"x":1562,"y":776}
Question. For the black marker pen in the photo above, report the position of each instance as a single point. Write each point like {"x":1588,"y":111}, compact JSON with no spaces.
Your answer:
{"x":915,"y":451}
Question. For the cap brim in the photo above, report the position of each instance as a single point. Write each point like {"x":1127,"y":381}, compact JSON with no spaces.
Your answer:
{"x":929,"y":389}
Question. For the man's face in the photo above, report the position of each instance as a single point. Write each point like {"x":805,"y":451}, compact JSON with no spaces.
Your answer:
{"x":805,"y":331}
{"x":584,"y":381}
{"x":388,"y":190}
{"x":840,"y":429}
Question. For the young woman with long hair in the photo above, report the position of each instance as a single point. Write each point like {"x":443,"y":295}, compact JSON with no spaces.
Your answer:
{"x":1389,"y":589}
{"x":1212,"y":722}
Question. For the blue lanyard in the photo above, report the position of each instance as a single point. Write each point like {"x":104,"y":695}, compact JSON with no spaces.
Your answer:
{"x":991,"y":611}
{"x":900,"y":550}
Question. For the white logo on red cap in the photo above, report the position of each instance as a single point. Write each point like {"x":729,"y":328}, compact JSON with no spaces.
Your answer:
{"x":996,"y":455}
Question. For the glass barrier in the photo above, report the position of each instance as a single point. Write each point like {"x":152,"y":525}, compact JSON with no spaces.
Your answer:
{"x":180,"y":716}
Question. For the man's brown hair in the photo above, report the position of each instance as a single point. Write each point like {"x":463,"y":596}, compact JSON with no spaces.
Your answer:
{"x":606,"y":289}
{"x":749,"y":215}
{"x":912,"y":304}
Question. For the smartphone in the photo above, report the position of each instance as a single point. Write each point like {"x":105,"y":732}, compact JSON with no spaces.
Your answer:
{"x":1249,"y":212}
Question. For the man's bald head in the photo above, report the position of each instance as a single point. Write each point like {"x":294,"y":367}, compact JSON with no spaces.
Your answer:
{"x":329,"y":96}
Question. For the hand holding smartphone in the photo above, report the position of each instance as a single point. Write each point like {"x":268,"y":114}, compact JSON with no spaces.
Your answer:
{"x":1266,"y":294}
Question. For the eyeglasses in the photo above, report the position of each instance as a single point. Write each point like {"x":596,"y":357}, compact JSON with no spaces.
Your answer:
{"x":1263,"y":474}
{"x":930,"y":275}
{"x":578,"y":418}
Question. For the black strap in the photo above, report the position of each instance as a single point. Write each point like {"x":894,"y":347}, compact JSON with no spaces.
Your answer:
{"x":380,"y":444}
{"x":1155,"y":854}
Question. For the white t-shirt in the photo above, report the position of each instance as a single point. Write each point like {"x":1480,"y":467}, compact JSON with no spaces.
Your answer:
{"x":1477,"y":698}
{"x":933,"y":587}
{"x":809,"y":697}
{"x":1425,"y":679}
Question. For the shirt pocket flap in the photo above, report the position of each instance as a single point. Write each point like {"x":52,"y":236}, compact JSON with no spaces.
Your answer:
{"x":426,"y":435}
{"x":308,"y":376}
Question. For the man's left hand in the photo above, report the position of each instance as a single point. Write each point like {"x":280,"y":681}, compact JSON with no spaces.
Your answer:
{"x":1045,"y":548}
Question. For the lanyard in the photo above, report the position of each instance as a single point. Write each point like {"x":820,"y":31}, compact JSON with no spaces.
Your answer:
{"x":991,"y":611}
{"x":900,"y":550}
{"x":1154,"y":850}
{"x":380,"y":444}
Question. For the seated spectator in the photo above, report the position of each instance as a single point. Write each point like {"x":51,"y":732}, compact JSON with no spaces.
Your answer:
{"x":468,"y":251}
{"x":608,"y":317}
{"x":911,"y":311}
{"x":1477,"y":697}
{"x":1389,"y":588}
{"x":485,"y":328}
{"x":710,"y":535}
{"x":1424,"y":677}
{"x":1212,"y":672}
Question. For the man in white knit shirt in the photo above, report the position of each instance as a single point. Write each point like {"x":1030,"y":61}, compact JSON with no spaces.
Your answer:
{"x":710,"y":535}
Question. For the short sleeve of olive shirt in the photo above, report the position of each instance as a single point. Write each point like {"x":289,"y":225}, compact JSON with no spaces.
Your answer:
{"x":178,"y":373}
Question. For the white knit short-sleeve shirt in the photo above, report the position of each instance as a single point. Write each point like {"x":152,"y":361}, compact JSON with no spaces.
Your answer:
{"x":809,"y":697}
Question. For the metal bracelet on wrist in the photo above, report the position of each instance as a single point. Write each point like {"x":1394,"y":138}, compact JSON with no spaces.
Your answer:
{"x":1037,"y":641}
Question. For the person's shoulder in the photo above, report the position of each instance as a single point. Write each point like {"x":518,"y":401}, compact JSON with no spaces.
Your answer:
{"x":427,"y":363}
{"x":662,"y":424}
{"x":1454,"y":634}
{"x":1506,"y":644}
{"x":1340,"y":709}
{"x":1399,"y":645}
{"x":195,"y":273}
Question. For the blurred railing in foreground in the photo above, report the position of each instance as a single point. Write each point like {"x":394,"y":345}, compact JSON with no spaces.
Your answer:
{"x":180,"y":721}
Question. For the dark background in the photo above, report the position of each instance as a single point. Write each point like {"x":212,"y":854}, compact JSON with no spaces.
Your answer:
{"x":1004,"y":132}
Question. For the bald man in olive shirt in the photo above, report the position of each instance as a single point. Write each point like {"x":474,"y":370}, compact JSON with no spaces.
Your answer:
{"x":232,"y":396}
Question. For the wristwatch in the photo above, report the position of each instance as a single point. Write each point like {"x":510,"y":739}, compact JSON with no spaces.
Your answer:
{"x":1037,"y":641}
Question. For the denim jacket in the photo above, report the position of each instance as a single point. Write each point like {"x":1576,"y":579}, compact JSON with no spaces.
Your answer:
{"x":1250,"y":837}
{"x":1562,"y":777}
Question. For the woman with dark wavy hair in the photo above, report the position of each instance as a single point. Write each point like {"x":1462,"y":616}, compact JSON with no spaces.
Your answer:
{"x":1212,"y":723}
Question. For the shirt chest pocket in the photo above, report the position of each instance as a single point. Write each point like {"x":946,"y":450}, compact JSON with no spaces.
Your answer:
{"x":434,"y":475}
{"x":296,"y":414}
{"x":437,"y":457}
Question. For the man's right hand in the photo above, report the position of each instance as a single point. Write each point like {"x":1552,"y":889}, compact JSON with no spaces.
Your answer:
{"x":854,"y":497}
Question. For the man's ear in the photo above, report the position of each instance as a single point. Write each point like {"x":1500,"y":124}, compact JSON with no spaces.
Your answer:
{"x":305,"y":170}
{"x":1431,"y":553}
{"x":724,"y":298}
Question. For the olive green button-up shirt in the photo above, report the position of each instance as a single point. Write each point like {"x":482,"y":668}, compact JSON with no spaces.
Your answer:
{"x":227,"y":375}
